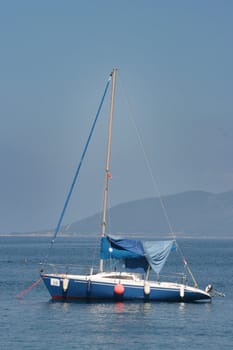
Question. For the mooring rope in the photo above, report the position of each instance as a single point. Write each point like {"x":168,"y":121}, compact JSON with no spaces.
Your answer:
{"x":21,"y":294}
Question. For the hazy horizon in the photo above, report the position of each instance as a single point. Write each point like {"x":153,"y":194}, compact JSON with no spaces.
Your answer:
{"x":175,"y":61}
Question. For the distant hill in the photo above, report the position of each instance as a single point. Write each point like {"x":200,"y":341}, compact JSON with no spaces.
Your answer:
{"x":192,"y":213}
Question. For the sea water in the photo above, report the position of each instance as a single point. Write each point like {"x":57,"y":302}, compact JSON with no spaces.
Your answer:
{"x":34,"y":322}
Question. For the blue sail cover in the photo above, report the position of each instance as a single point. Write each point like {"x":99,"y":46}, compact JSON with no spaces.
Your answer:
{"x":129,"y":250}
{"x":157,"y":253}
{"x":136,"y":254}
{"x":118,"y":248}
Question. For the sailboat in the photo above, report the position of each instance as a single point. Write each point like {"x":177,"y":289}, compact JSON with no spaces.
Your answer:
{"x":138,"y":259}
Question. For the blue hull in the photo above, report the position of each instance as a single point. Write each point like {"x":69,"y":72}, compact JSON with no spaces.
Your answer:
{"x":80,"y":289}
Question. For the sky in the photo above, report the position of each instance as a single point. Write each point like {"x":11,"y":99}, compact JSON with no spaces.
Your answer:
{"x":174,"y":82}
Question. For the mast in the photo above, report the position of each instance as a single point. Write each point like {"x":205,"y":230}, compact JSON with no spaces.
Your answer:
{"x":107,"y":173}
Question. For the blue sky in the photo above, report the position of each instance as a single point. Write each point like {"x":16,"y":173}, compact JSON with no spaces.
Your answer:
{"x":175,"y":70}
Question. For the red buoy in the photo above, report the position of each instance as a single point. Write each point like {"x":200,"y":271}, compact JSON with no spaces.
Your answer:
{"x":119,"y":289}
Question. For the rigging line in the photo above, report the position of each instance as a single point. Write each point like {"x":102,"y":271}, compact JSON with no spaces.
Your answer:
{"x":78,"y":167}
{"x":154,"y":182}
{"x":153,"y":179}
{"x":186,"y":265}
{"x":95,"y":254}
{"x":96,"y":248}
